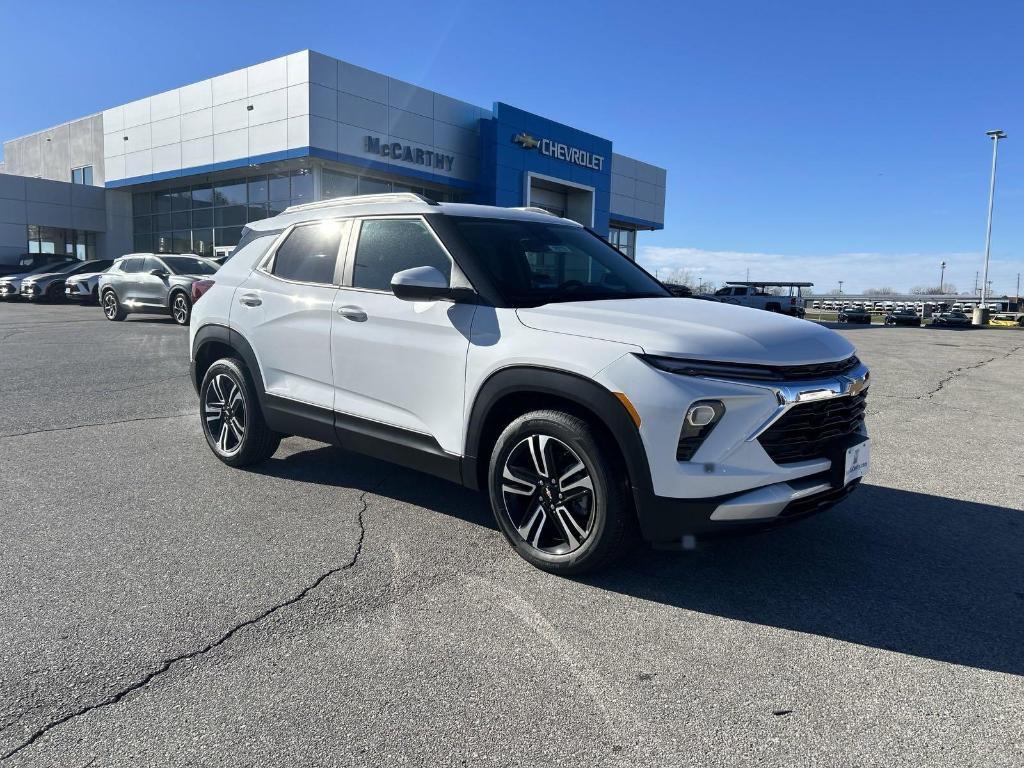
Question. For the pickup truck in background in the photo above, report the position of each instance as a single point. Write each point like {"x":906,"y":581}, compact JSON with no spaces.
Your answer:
{"x":783,"y":297}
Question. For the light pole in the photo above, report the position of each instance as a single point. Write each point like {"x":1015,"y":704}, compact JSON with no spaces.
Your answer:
{"x":981,"y":311}
{"x":840,"y":287}
{"x":942,"y":275}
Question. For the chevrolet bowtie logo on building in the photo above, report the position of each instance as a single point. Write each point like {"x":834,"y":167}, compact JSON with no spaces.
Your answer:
{"x":525,"y":140}
{"x":560,"y":151}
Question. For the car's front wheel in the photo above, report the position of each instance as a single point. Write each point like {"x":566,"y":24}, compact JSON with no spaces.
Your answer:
{"x":112,"y":307}
{"x":232,"y":420}
{"x":181,"y":308}
{"x":558,"y":495}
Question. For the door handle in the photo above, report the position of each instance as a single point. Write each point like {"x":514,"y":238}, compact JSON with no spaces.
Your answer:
{"x":355,"y":314}
{"x":250,"y":300}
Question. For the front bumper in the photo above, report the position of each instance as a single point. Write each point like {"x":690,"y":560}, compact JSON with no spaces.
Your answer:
{"x":8,"y":291}
{"x":76,"y":292}
{"x":667,"y":522}
{"x":31,"y":292}
{"x":731,"y":481}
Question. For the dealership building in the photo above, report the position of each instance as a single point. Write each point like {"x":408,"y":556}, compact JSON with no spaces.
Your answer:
{"x":183,"y":171}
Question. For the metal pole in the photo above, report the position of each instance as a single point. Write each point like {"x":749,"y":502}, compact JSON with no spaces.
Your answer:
{"x":942,"y":275}
{"x":840,"y":287}
{"x":981,"y":319}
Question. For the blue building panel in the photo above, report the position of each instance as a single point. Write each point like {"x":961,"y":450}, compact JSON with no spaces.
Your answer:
{"x":515,"y":143}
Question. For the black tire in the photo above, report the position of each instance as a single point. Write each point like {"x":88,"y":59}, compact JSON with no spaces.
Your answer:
{"x":112,"y":308}
{"x":585,"y":530}
{"x":54,"y":294}
{"x":233,"y":423}
{"x":181,"y":307}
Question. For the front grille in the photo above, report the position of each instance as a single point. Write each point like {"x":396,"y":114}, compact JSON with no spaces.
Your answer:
{"x":808,"y":430}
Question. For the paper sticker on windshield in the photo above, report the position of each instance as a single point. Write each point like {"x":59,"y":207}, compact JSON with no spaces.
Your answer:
{"x":560,"y":248}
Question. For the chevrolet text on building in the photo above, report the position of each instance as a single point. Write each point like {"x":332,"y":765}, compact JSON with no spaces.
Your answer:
{"x":560,"y":151}
{"x":184,"y":171}
{"x":398,"y":151}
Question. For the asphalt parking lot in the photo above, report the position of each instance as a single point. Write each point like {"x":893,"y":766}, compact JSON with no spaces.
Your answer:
{"x":160,"y":608}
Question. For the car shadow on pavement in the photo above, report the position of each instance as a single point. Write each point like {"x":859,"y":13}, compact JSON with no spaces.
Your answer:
{"x":907,"y":572}
{"x":328,"y":465}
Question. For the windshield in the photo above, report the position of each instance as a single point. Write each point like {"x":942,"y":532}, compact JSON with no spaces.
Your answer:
{"x":533,"y":263}
{"x":189,"y":265}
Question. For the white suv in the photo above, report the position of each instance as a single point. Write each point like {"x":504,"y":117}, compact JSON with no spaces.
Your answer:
{"x":511,"y":350}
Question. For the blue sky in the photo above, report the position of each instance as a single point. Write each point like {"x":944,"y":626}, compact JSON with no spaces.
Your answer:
{"x":808,"y":140}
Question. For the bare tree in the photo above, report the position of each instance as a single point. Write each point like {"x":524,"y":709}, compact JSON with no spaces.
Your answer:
{"x":925,"y":290}
{"x":884,"y":291}
{"x":679,"y":276}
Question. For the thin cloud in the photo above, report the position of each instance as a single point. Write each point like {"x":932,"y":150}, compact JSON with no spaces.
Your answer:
{"x":858,"y":271}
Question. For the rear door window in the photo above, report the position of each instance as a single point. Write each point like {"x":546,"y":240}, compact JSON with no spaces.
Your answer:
{"x":131,"y":266}
{"x":309,"y":254}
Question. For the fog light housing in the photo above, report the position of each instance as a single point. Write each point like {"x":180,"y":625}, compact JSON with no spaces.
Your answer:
{"x":700,"y":419}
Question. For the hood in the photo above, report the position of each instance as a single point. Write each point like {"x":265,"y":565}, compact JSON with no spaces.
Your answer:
{"x":43,"y":276}
{"x":84,"y":276}
{"x":702,"y":330}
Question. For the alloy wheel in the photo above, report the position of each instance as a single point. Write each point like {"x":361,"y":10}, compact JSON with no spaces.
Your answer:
{"x":110,"y":306}
{"x":180,"y":309}
{"x":224,"y":414}
{"x":548,"y":495}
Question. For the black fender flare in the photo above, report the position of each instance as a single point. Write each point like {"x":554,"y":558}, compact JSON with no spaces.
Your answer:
{"x":584,"y":392}
{"x":178,"y":289}
{"x":223,"y":335}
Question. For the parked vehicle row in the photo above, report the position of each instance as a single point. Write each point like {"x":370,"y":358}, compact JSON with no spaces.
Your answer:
{"x":887,"y":307}
{"x":134,"y":283}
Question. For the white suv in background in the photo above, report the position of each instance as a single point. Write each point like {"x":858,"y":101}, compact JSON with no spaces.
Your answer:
{"x":513,"y":351}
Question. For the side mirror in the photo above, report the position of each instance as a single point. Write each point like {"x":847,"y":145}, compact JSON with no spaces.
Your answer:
{"x":161,"y":273}
{"x":426,"y":284}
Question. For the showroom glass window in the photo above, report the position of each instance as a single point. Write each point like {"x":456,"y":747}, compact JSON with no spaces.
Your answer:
{"x":71,"y":242}
{"x":387,"y":246}
{"x":624,"y":240}
{"x":309,"y":254}
{"x":200,"y":217}
{"x":197,"y":218}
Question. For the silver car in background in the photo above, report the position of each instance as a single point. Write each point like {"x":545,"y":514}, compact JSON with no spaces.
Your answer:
{"x":85,"y":288}
{"x":49,"y":286}
{"x":152,"y":283}
{"x":10,"y":286}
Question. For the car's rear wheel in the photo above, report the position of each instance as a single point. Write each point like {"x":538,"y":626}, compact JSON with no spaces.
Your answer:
{"x":558,"y":495}
{"x":233,"y":423}
{"x":112,"y":307}
{"x":181,"y":308}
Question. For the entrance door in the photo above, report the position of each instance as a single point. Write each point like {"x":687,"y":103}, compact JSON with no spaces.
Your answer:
{"x":548,"y":199}
{"x":566,"y":199}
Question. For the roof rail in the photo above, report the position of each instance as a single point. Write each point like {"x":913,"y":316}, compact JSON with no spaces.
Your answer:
{"x":384,"y":197}
{"x":534,"y":209}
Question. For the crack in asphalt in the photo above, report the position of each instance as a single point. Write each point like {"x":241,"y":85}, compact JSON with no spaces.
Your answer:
{"x":950,"y":375}
{"x":95,"y":424}
{"x":15,"y":718}
{"x":167,"y":664}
